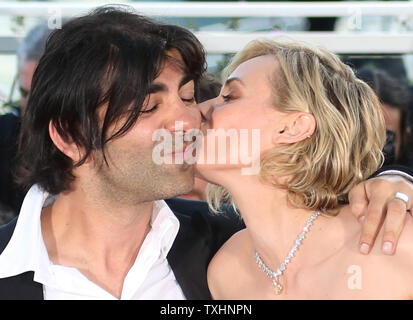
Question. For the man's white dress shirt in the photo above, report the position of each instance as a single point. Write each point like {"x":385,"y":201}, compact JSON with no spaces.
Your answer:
{"x":150,"y":277}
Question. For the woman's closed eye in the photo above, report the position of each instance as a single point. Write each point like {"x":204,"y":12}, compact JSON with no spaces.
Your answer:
{"x":227,"y":97}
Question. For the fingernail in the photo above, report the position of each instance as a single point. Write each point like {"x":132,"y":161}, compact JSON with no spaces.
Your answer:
{"x":388,"y":247}
{"x":361,"y":219}
{"x":364,"y":248}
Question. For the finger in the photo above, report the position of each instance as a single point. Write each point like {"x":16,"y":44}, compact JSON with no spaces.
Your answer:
{"x":393,"y":225}
{"x":358,"y":201}
{"x":372,"y":224}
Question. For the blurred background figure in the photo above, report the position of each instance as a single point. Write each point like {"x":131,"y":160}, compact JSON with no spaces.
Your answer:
{"x":29,"y":53}
{"x":209,"y":87}
{"x":28,"y":56}
{"x":395,"y":98}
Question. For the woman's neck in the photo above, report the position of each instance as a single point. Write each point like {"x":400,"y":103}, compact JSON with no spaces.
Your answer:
{"x":272,"y":223}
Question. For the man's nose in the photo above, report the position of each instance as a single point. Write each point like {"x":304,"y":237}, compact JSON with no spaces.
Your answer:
{"x":206,"y":109}
{"x":184,"y":117}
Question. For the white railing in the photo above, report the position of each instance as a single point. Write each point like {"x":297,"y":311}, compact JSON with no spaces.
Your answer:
{"x":232,"y":41}
{"x":368,"y":43}
{"x":219,"y":8}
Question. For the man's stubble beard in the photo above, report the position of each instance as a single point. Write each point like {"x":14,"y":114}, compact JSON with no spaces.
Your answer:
{"x":139,"y":179}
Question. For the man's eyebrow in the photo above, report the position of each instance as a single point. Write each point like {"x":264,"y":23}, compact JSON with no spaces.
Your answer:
{"x":156,"y":87}
{"x":232,"y":80}
{"x":160,"y":87}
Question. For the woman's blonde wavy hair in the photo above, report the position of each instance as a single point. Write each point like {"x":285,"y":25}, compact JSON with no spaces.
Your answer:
{"x":347,"y":144}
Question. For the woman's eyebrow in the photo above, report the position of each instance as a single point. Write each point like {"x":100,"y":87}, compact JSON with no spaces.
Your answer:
{"x":232,"y":80}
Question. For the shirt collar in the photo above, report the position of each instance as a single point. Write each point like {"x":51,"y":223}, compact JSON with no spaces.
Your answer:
{"x":26,"y":250}
{"x":165,"y":225}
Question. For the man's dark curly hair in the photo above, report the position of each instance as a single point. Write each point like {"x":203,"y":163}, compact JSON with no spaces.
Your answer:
{"x":110,"y":56}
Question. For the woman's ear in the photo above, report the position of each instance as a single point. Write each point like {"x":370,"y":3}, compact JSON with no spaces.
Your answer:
{"x":66,"y":146}
{"x":296,"y":127}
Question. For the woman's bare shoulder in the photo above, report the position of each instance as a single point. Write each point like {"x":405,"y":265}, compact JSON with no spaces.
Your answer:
{"x":228,"y":265}
{"x":404,"y":249}
{"x":396,"y":271}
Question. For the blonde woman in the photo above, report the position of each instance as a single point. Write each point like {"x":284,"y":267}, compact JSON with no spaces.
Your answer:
{"x":321,"y":133}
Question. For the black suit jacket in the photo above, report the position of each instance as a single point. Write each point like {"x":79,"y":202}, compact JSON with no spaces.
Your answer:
{"x":11,"y":195}
{"x":200,"y":235}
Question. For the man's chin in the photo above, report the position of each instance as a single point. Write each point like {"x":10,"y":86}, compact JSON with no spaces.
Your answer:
{"x":181,"y":181}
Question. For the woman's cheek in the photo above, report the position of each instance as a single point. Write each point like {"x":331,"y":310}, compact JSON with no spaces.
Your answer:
{"x":226,"y":118}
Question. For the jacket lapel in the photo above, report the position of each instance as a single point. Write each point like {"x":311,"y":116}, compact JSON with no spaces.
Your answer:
{"x":190,"y":255}
{"x":21,"y":287}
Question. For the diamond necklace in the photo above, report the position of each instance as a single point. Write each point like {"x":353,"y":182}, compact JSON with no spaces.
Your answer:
{"x":274,"y":275}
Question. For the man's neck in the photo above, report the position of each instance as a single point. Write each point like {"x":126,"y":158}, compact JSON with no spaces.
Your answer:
{"x":100,"y":240}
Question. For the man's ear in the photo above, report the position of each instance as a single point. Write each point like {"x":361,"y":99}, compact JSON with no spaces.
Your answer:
{"x":296,"y":127}
{"x":66,"y":146}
